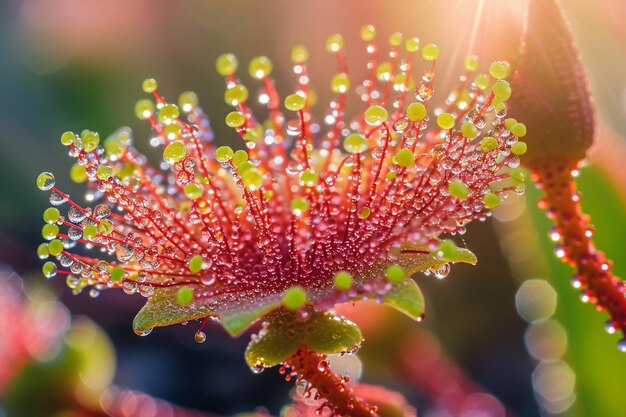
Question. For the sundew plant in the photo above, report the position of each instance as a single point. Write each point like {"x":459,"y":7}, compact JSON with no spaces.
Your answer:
{"x":311,"y":209}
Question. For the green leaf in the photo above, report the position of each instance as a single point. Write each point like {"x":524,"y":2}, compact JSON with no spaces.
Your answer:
{"x":407,"y":298}
{"x":406,"y":295}
{"x":162,"y":309}
{"x":284,"y":333}
{"x":235,"y":322}
{"x":334,"y":334}
{"x":414,"y":258}
{"x":414,"y":262}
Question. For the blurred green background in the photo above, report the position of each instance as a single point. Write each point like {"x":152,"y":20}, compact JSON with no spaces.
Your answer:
{"x":75,"y":64}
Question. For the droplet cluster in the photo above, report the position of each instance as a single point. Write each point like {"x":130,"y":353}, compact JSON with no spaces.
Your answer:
{"x":306,"y":202}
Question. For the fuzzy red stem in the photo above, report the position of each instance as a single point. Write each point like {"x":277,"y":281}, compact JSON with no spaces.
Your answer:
{"x":562,"y":202}
{"x":311,"y":367}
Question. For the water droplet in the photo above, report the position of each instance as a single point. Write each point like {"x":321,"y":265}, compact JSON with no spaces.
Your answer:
{"x":621,"y":345}
{"x":124,"y":253}
{"x":101,"y":211}
{"x":65,"y":261}
{"x":423,"y":92}
{"x":146,"y":290}
{"x":401,"y":124}
{"x":559,"y":251}
{"x":442,"y":271}
{"x":576,"y":283}
{"x":584,"y":297}
{"x":200,"y":337}
{"x":49,"y":269}
{"x":609,"y":327}
{"x":145,"y":332}
{"x":294,"y":127}
{"x":501,"y":111}
{"x":45,"y":181}
{"x":75,"y":215}
{"x":129,"y":287}
{"x":554,"y":234}
{"x":207,"y":279}
{"x":74,"y":234}
{"x":57,"y":199}
{"x":258,"y":367}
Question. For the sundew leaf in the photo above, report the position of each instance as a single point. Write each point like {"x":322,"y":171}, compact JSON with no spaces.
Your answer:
{"x":236,"y":322}
{"x":163,"y":309}
{"x":407,"y":298}
{"x":284,"y":333}
{"x":414,"y":259}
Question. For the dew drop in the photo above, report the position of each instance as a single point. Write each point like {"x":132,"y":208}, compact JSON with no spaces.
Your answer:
{"x":124,"y":253}
{"x":101,"y":211}
{"x":258,"y":367}
{"x":72,"y":281}
{"x":145,"y":290}
{"x":49,"y":269}
{"x":145,"y":332}
{"x":200,"y":337}
{"x":559,"y":251}
{"x":584,"y":297}
{"x":609,"y":327}
{"x":554,"y":234}
{"x":75,"y":215}
{"x":74,"y":234}
{"x":45,"y":181}
{"x":401,"y":124}
{"x":207,"y":279}
{"x":501,"y":112}
{"x":57,"y":199}
{"x":442,"y":271}
{"x":65,"y":261}
{"x":293,"y":128}
{"x":129,"y":287}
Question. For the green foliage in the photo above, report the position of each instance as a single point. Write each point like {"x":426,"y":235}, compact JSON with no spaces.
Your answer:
{"x":414,"y":259}
{"x":163,"y":309}
{"x":407,"y":298}
{"x":285,"y":332}
{"x":236,"y":322}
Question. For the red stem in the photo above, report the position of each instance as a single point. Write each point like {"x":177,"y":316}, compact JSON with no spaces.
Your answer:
{"x":562,"y":202}
{"x":310,"y":366}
